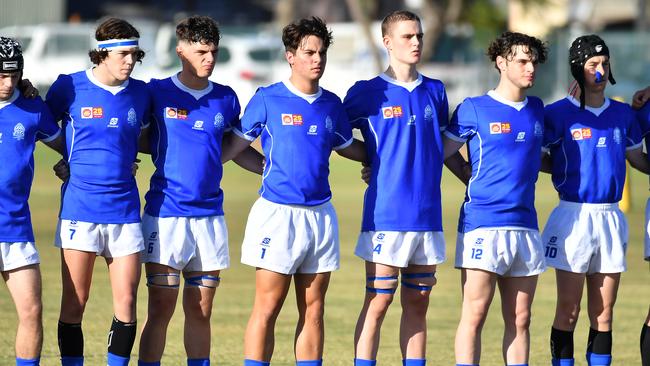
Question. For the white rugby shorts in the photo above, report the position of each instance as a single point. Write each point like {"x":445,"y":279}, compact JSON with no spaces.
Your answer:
{"x":401,"y":248}
{"x":17,"y":254}
{"x":291,"y":239}
{"x":106,"y":240}
{"x":189,"y":244}
{"x":508,"y":252}
{"x":586,"y":238}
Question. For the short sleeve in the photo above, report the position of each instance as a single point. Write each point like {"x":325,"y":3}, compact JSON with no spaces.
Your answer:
{"x":58,"y":98}
{"x":233,"y":122}
{"x":253,"y":121}
{"x":354,"y":108}
{"x":48,"y":129}
{"x":464,"y":122}
{"x":552,"y":129}
{"x":443,"y":109}
{"x":633,"y":136}
{"x":643,"y":119}
{"x":342,"y":136}
{"x":147,"y":116}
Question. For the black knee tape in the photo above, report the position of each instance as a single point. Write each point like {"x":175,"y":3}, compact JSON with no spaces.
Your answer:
{"x":645,"y":345}
{"x":599,"y":342}
{"x":561,"y":344}
{"x":121,"y":338}
{"x":71,"y":339}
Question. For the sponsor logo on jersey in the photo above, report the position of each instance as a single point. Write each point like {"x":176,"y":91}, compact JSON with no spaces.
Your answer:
{"x":266,"y":242}
{"x":521,"y":136}
{"x":329,"y":125}
{"x":499,"y":128}
{"x":218,"y":120}
{"x":428,"y":113}
{"x":289,"y":119}
{"x":182,"y":113}
{"x":132,"y":117}
{"x":92,"y":112}
{"x":198,"y":125}
{"x":380,"y":237}
{"x":602,"y":142}
{"x":578,"y":134}
{"x":392,"y":112}
{"x":19,"y":131}
{"x":113,"y":123}
{"x":171,"y":112}
{"x":313,"y":130}
{"x":618,"y":137}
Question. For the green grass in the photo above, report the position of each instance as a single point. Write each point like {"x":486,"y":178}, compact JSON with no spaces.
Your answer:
{"x":235,"y":296}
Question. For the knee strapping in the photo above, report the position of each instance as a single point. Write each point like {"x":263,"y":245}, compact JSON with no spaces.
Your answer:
{"x":423,"y":281}
{"x":121,"y":338}
{"x":381,"y":284}
{"x":205,"y":281}
{"x":164,"y":280}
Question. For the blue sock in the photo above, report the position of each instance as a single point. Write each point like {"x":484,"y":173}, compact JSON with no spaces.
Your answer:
{"x":115,"y":360}
{"x":517,"y":364}
{"x":414,"y":362}
{"x":362,"y":362}
{"x":248,"y":362}
{"x":142,"y":363}
{"x":466,"y":364}
{"x":562,"y":362}
{"x":310,"y":363}
{"x":595,"y":359}
{"x":198,"y":362}
{"x":28,"y":362}
{"x":72,"y":361}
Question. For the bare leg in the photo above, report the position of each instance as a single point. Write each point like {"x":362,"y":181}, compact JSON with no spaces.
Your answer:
{"x":517,"y":295}
{"x":24,"y":285}
{"x":415,"y":302}
{"x":310,"y":330}
{"x":197,"y":305}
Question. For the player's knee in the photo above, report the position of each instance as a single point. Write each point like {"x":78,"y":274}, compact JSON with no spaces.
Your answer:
{"x":164,"y":280}
{"x":31,"y":315}
{"x":522,"y":320}
{"x":203,"y":281}
{"x":421,"y":282}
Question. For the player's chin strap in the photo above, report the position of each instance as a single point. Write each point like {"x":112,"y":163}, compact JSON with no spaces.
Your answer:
{"x":425,"y":281}
{"x":164,"y":280}
{"x":381,"y":284}
{"x":205,"y":281}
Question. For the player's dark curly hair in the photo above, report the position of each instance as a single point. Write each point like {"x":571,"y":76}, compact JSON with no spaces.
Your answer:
{"x":397,"y":16}
{"x":504,"y":46}
{"x":295,"y":32}
{"x":113,"y":28}
{"x":198,"y":28}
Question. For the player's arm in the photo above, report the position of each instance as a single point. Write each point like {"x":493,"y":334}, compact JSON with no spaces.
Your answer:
{"x":640,"y":98}
{"x":56,"y":144}
{"x":454,"y":161}
{"x":546,"y":164}
{"x":143,"y":142}
{"x":238,"y":149}
{"x":251,"y":160}
{"x":638,"y":160}
{"x":355,"y":151}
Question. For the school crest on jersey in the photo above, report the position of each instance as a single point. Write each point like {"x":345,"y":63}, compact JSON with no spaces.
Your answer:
{"x":92,"y":112}
{"x":578,"y":134}
{"x":132,"y":117}
{"x":289,"y":119}
{"x":19,"y":131}
{"x":618,"y":137}
{"x":497,"y":128}
{"x":428,"y":113}
{"x":539,"y":130}
{"x":392,"y":112}
{"x":329,"y":125}
{"x":218,"y":120}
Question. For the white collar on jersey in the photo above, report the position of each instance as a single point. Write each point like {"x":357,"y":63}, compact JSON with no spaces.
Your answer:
{"x":596,"y":111}
{"x":11,"y":99}
{"x":410,"y":86}
{"x":111,"y":89}
{"x":197,"y":94}
{"x":310,"y":98}
{"x":516,"y":105}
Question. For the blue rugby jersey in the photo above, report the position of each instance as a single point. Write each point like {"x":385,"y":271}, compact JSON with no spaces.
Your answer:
{"x":401,"y":124}
{"x":101,"y":125}
{"x":22,"y":122}
{"x":643,"y":116}
{"x":504,"y":143}
{"x":298,"y":134}
{"x":186,"y":136}
{"x":588,"y":149}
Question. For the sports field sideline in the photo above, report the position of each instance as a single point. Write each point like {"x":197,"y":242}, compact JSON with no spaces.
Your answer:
{"x":234,"y":298}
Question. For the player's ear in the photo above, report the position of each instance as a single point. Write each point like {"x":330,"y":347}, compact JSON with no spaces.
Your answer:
{"x":501,"y":63}
{"x":387,"y":42}
{"x":289,"y":56}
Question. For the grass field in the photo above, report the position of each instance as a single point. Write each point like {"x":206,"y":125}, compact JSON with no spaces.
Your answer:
{"x":235,"y":296}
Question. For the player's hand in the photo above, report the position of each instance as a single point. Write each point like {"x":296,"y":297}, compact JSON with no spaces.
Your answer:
{"x":27,"y":89}
{"x":135,"y":166}
{"x":62,"y":170}
{"x":640,"y":98}
{"x":366,"y":173}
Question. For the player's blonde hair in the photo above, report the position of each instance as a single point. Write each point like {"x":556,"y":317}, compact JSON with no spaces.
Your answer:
{"x":396,"y":17}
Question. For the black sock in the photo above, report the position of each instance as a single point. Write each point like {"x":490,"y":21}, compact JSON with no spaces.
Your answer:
{"x":121,"y":338}
{"x":561,"y":344}
{"x":645,"y":345}
{"x":599,"y":343}
{"x":71,"y":339}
